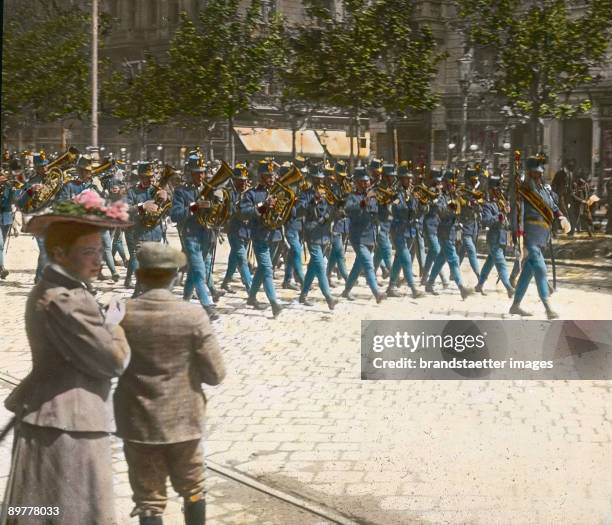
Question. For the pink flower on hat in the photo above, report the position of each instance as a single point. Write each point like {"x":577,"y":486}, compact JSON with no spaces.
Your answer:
{"x":118,"y":210}
{"x":90,"y":200}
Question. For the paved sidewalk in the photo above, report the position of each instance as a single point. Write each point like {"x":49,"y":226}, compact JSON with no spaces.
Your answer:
{"x":294,"y":414}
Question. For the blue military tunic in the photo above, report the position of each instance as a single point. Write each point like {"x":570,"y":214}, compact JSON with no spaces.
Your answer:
{"x":249,"y":210}
{"x":362,"y":212}
{"x":469,"y":218}
{"x":9,"y":195}
{"x":497,"y":233}
{"x":187,"y":220}
{"x":317,"y":217}
{"x":237,"y":226}
{"x":536,"y":229}
{"x":136,"y":196}
{"x":447,"y":229}
{"x":403,"y":212}
{"x":431,"y":220}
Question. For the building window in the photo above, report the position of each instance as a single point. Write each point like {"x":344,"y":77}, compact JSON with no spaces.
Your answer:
{"x":173,"y":11}
{"x":153,"y":17}
{"x":132,"y":15}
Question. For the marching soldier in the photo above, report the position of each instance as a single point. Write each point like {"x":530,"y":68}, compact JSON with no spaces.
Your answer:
{"x":197,"y":239}
{"x":338,"y":181}
{"x":431,"y":221}
{"x":469,"y":219}
{"x":362,"y":210}
{"x":384,"y":250}
{"x":448,"y":208}
{"x":238,"y":233}
{"x":253,"y":207}
{"x":317,"y":213}
{"x":8,"y":195}
{"x":86,"y":182}
{"x":159,"y":403}
{"x":403,"y":234}
{"x":533,"y":215}
{"x":293,"y":236}
{"x":495,"y":217}
{"x":141,"y":200}
{"x":35,"y":183}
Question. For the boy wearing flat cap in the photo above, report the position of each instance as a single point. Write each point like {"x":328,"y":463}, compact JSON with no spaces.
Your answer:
{"x":159,"y":403}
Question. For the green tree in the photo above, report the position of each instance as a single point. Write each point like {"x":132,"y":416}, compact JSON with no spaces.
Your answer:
{"x":45,"y":66}
{"x":219,"y":63}
{"x":372,"y":58}
{"x":544,"y":52}
{"x":141,"y":98}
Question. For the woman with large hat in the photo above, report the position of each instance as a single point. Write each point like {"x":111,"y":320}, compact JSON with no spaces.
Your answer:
{"x":61,"y":460}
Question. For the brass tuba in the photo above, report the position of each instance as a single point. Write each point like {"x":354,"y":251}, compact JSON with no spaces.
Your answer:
{"x":52,"y":183}
{"x":275,"y":216}
{"x":151,"y":218}
{"x":219,"y":211}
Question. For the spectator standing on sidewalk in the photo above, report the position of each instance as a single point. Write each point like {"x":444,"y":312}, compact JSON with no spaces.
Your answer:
{"x":159,"y":403}
{"x":62,"y":458}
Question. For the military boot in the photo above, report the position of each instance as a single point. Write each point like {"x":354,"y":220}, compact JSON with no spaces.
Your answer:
{"x":478,"y":288}
{"x":516,"y":309}
{"x":195,"y":513}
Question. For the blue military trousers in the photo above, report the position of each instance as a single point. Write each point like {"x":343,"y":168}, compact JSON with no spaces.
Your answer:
{"x":496,"y":257}
{"x":418,"y":251}
{"x":337,"y":256}
{"x":468,"y":247}
{"x":363,"y":261}
{"x":316,"y":268}
{"x":43,"y":259}
{"x":107,"y":251}
{"x":533,"y":265}
{"x":264,"y":274}
{"x":238,"y":261}
{"x":433,"y":250}
{"x":293,"y":265}
{"x":384,"y":251}
{"x":447,"y":253}
{"x":5,"y":230}
{"x":402,"y":260}
{"x":198,"y":276}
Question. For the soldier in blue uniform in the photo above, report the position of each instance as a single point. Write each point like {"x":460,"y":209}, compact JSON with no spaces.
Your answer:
{"x":317,"y":213}
{"x":8,"y":196}
{"x":431,"y":221}
{"x":293,"y":229}
{"x":418,"y":246}
{"x":448,"y":208}
{"x":238,"y":233}
{"x":403,"y":234}
{"x":340,"y":223}
{"x":362,"y":210}
{"x":384,"y":250}
{"x":40,"y":162}
{"x":141,"y":199}
{"x":86,"y":182}
{"x":495,"y":217}
{"x":533,"y":215}
{"x":197,"y":239}
{"x":470,"y":219}
{"x":253,"y":206}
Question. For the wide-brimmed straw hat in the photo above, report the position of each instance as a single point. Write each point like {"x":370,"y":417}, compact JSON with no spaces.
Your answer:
{"x":86,"y":208}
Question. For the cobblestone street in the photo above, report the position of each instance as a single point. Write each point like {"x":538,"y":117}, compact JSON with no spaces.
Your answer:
{"x":294,"y":414}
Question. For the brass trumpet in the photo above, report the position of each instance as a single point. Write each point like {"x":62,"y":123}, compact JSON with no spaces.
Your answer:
{"x":423,"y":194}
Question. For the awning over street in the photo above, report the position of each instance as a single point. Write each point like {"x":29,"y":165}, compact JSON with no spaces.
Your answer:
{"x":338,"y":144}
{"x":265,"y":141}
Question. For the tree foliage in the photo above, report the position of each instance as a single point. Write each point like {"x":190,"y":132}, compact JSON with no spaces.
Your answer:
{"x":45,"y":66}
{"x":543,"y":51}
{"x":372,"y":57}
